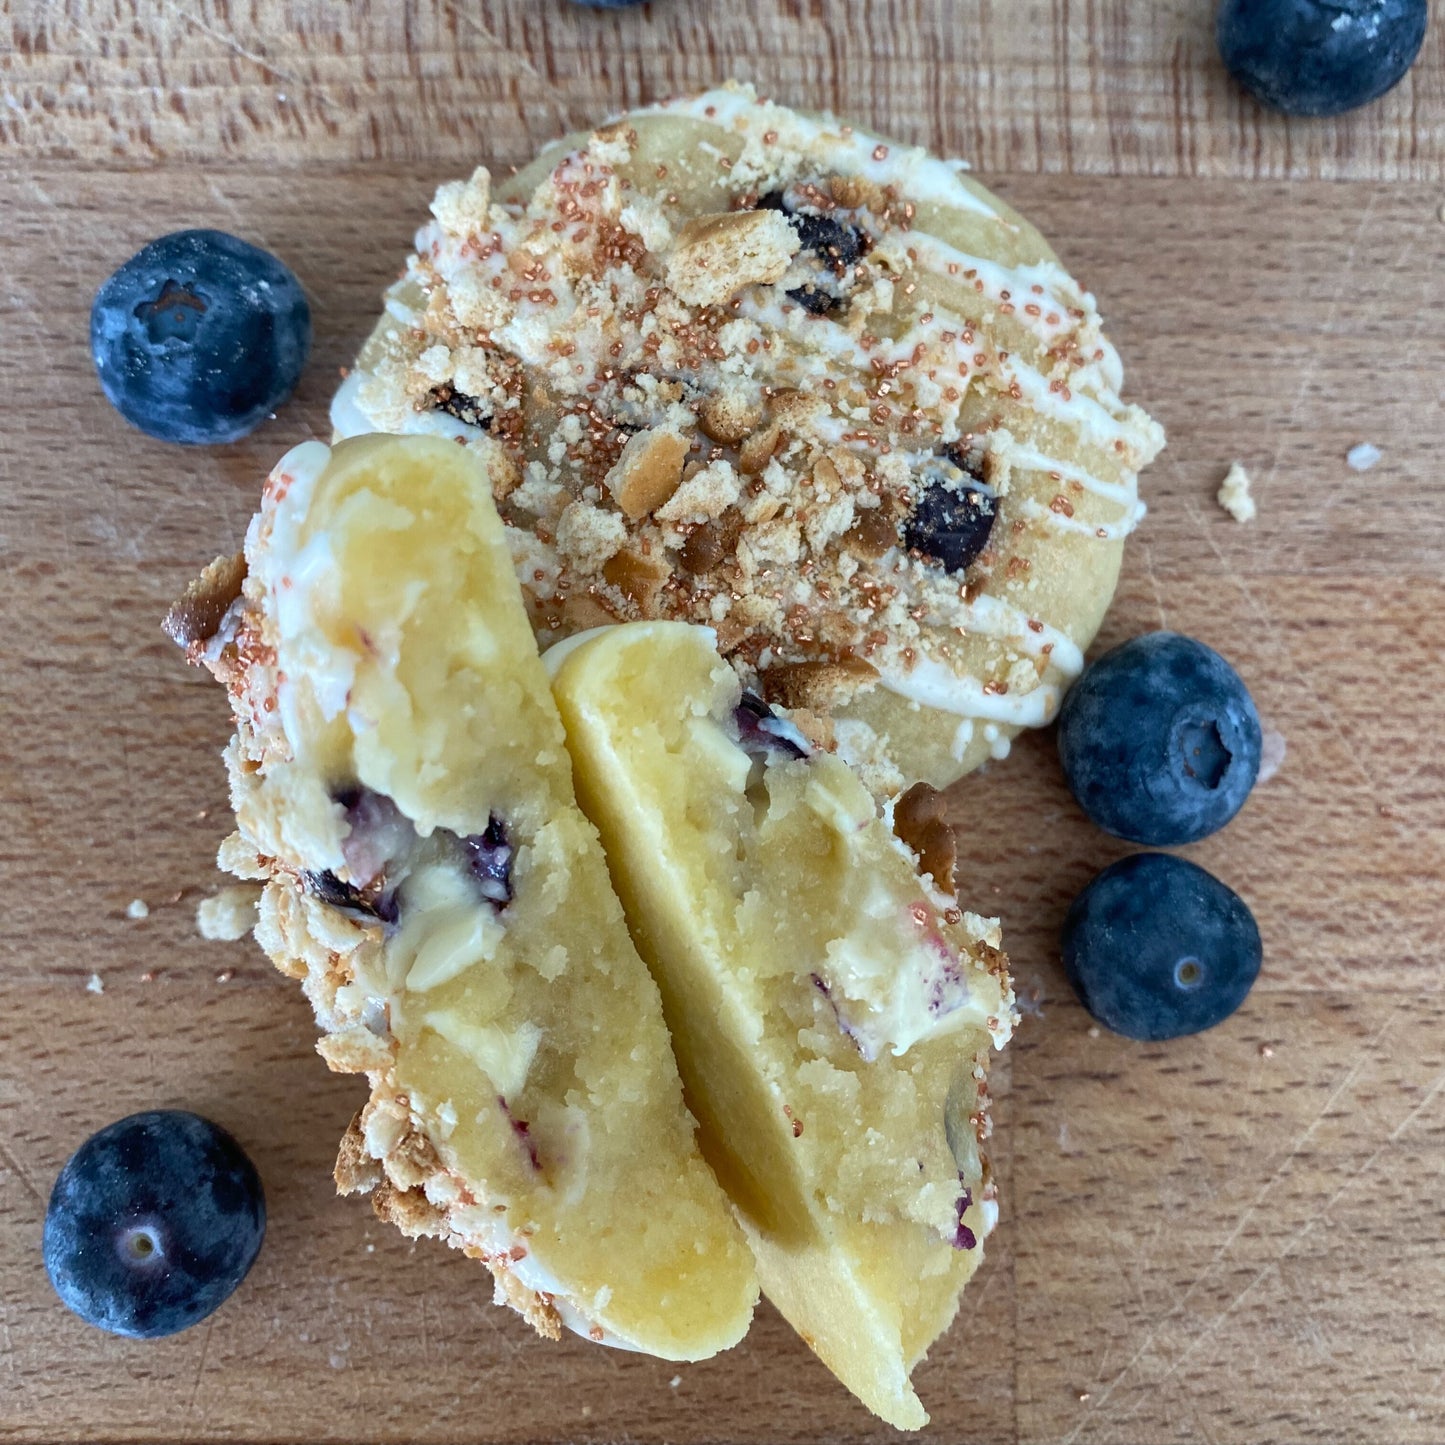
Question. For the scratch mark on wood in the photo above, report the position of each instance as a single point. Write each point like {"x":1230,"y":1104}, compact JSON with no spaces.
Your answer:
{"x":21,"y":1173}
{"x":1367,"y":1053}
{"x":1304,"y":1230}
{"x":201,"y":1366}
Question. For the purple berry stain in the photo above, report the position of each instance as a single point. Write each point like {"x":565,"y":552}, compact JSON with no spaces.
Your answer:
{"x":489,"y":855}
{"x":523,"y":1131}
{"x":963,"y":1236}
{"x":764,"y":734}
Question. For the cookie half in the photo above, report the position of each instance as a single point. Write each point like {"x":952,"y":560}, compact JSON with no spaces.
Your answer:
{"x":402,"y":786}
{"x":734,"y":365}
{"x":832,"y":1007}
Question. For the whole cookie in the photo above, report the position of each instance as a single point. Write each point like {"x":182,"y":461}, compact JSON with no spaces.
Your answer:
{"x":739,"y":366}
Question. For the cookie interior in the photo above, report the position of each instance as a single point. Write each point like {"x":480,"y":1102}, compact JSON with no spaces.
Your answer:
{"x":401,"y":779}
{"x":831,"y":1010}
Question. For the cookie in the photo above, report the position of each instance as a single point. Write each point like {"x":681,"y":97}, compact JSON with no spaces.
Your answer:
{"x":402,"y":788}
{"x":832,"y":1005}
{"x":734,"y":365}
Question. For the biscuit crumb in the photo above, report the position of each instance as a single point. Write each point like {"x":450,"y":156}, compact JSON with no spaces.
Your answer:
{"x":1266,"y":1051}
{"x":716,"y":256}
{"x":648,"y":471}
{"x":229,"y":914}
{"x":1364,"y":456}
{"x":137,"y":909}
{"x":1233,"y":494}
{"x":94,"y":984}
{"x":194,"y":617}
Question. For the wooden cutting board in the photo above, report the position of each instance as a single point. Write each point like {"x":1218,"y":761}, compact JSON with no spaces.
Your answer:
{"x":1236,"y":1237}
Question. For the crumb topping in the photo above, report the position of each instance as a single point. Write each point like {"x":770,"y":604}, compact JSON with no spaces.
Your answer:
{"x":822,"y":395}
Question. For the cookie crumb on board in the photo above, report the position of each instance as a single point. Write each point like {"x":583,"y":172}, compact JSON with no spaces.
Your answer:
{"x":94,"y":984}
{"x":1234,"y":495}
{"x":1362,"y":457}
{"x":137,"y":909}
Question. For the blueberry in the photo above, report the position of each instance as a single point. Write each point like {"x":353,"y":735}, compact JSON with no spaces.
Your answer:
{"x":831,"y":241}
{"x":153,"y":1223}
{"x":489,"y":856}
{"x":814,"y":299}
{"x":464,"y":408}
{"x":1319,"y":57}
{"x":953,"y":516}
{"x":380,"y":902}
{"x":199,"y":337}
{"x":1156,"y":948}
{"x":835,"y":246}
{"x":1160,"y":741}
{"x":763,"y":734}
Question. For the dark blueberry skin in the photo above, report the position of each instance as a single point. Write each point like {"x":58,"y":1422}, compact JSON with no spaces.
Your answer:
{"x":1157,"y":948}
{"x":199,"y":337}
{"x":1319,"y":57}
{"x":1160,"y":741}
{"x":826,"y":238}
{"x":489,"y":856}
{"x":374,"y":903}
{"x":153,"y":1223}
{"x":950,"y":524}
{"x":836,"y":245}
{"x":763,"y":734}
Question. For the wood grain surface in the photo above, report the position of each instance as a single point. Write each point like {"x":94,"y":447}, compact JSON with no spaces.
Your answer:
{"x":1236,"y":1237}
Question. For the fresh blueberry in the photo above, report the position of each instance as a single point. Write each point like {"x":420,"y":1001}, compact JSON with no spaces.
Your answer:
{"x":1160,"y":741}
{"x":1156,"y":948}
{"x":153,"y":1223}
{"x":953,"y":517}
{"x":1319,"y":57}
{"x":199,"y":337}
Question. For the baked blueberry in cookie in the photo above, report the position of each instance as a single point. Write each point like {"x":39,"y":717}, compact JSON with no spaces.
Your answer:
{"x":402,"y":787}
{"x":741,"y":367}
{"x":831,"y":1002}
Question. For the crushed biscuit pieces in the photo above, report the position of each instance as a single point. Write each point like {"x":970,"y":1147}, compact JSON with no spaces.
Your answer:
{"x":774,"y":383}
{"x":716,"y":256}
{"x":229,"y":914}
{"x":648,"y":471}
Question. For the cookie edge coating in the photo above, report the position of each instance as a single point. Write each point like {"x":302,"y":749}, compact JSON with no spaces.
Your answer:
{"x":386,"y":1151}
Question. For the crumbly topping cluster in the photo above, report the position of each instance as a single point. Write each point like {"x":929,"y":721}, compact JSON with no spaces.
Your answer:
{"x":730,"y":418}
